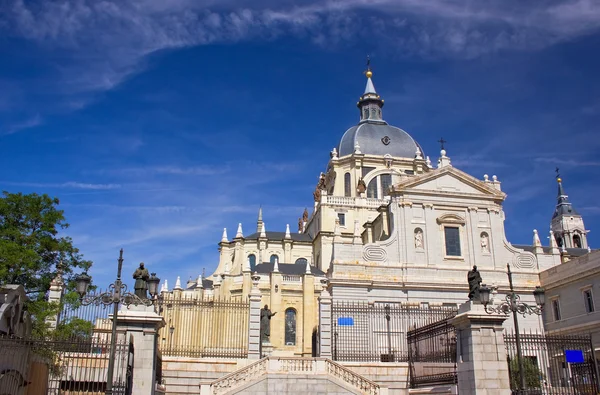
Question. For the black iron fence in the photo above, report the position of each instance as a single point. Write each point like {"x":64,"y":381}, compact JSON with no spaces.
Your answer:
{"x":77,"y":366}
{"x":91,"y":318}
{"x":200,"y":328}
{"x":432,"y":354}
{"x":553,"y":364}
{"x":377,"y":331}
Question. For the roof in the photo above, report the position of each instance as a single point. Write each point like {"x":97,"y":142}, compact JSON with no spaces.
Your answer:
{"x":206,"y":284}
{"x":370,"y":136}
{"x":563,"y":205}
{"x":547,"y":250}
{"x":278,"y":236}
{"x":287,"y":268}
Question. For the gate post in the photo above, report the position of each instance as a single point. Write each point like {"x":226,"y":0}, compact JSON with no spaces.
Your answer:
{"x":141,"y":323}
{"x":254,"y":323}
{"x":482,"y":368}
{"x":325,"y":322}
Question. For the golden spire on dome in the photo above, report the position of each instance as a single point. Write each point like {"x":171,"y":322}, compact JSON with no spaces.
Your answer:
{"x":368,"y":72}
{"x":558,"y":179}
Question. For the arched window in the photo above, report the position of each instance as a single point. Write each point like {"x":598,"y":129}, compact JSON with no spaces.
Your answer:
{"x":559,"y":241}
{"x":379,"y":186}
{"x":577,"y":241}
{"x":252,"y":261}
{"x":274,"y":258}
{"x":386,"y":182}
{"x":372,"y":189}
{"x":290,"y":327}
{"x":301,"y":261}
{"x":347,"y":185}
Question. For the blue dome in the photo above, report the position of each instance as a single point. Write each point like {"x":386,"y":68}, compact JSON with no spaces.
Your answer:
{"x":378,"y":138}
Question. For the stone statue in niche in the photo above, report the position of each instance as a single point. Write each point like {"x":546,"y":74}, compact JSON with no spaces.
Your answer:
{"x":305,"y":215}
{"x":485,"y":247}
{"x":361,"y":187}
{"x":317,"y":195}
{"x":419,"y":239}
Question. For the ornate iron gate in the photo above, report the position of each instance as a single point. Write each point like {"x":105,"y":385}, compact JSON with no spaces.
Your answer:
{"x":377,"y":331}
{"x":553,"y":364}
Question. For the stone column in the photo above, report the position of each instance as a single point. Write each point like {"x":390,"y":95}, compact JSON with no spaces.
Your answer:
{"x":482,"y":367}
{"x":55,"y":294}
{"x":325,"y":322}
{"x":254,"y":327}
{"x":141,"y":324}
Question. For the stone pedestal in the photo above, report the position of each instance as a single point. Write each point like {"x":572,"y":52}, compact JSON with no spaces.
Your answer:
{"x":267,"y":349}
{"x":482,"y":368}
{"x":141,"y":324}
{"x":325,"y":324}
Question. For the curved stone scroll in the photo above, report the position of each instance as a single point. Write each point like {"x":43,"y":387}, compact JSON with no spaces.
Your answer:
{"x":374,"y":253}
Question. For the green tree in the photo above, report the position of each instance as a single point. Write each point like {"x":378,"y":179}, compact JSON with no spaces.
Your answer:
{"x":31,"y":248}
{"x":533,"y":375}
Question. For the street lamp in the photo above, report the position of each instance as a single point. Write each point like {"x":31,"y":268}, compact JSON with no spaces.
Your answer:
{"x":116,"y":295}
{"x":513,"y":304}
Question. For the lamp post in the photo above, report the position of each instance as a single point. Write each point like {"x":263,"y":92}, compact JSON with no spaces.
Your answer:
{"x":513,"y":304}
{"x":116,"y":294}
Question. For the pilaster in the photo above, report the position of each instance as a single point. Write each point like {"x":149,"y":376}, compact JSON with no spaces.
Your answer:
{"x":325,"y":301}
{"x":254,"y":326}
{"x":308,"y":313}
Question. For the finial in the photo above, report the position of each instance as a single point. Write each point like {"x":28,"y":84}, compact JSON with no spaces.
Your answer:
{"x":263,"y":231}
{"x":486,"y":178}
{"x":357,"y":147}
{"x":442,"y":142}
{"x":428,"y":162}
{"x":418,"y":154}
{"x":178,"y":283}
{"x":224,"y":237}
{"x":308,"y":271}
{"x":239,"y":231}
{"x":260,"y":213}
{"x":558,"y":179}
{"x":287,"y":231}
{"x":276,"y":265}
{"x":199,"y":281}
{"x":368,"y":72}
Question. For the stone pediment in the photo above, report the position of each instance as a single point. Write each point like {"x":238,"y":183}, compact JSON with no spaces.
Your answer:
{"x":448,"y":180}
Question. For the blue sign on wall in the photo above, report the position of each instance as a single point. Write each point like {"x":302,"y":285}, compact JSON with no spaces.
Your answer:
{"x":345,"y":321}
{"x":574,"y":356}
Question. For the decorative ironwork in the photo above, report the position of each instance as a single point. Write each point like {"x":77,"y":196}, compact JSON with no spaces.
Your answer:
{"x":513,"y":304}
{"x":201,"y":328}
{"x":377,"y":331}
{"x":78,"y":366}
{"x":549,"y":366}
{"x":432,"y":354}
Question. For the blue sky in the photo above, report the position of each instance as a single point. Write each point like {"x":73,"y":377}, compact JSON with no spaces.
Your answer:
{"x":158,"y":123}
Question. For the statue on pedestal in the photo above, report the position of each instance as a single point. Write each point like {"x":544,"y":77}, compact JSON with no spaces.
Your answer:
{"x":265,"y":323}
{"x":474,"y":279}
{"x":141,"y":275}
{"x":361,"y":187}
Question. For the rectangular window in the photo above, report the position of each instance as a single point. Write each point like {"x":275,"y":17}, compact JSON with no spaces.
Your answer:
{"x":556,"y":309}
{"x":589,"y":301}
{"x":342,"y":218}
{"x":452,"y":237}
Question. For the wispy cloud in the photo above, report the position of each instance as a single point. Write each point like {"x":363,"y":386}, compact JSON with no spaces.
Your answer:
{"x":568,"y":162}
{"x":109,"y":40}
{"x":32,"y":122}
{"x":68,"y":185}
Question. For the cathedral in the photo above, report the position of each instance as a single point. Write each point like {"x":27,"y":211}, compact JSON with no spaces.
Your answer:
{"x":386,"y":225}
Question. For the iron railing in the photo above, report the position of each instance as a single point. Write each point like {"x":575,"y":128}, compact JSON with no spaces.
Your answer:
{"x":377,"y":331}
{"x":96,"y":314}
{"x":553,"y":364}
{"x":200,"y":328}
{"x":76,"y":366}
{"x":432,"y":354}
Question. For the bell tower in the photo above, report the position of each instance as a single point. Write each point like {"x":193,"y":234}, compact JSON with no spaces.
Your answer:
{"x":567,"y":224}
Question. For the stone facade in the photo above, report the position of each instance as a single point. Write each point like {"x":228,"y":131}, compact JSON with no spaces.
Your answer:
{"x":573,"y":298}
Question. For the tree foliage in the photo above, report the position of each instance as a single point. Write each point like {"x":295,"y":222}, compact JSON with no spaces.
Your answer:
{"x":32,"y":246}
{"x":533,"y":375}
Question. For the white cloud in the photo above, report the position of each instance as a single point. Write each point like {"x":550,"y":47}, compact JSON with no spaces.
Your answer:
{"x":107,"y":41}
{"x":68,"y":185}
